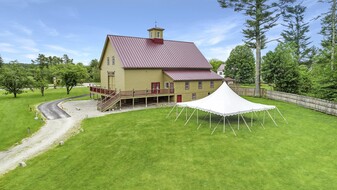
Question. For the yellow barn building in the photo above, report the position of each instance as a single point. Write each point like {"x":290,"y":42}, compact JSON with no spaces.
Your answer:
{"x":137,"y":69}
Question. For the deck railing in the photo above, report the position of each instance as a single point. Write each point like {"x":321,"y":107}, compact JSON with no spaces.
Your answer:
{"x":100,"y":90}
{"x":131,"y":93}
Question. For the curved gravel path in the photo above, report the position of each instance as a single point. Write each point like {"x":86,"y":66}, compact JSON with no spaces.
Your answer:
{"x":54,"y":131}
{"x":60,"y":125}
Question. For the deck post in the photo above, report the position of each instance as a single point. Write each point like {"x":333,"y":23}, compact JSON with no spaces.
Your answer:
{"x":133,"y":103}
{"x":146,"y":98}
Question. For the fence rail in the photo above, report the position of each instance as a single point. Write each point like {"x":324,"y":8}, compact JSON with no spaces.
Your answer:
{"x":324,"y":106}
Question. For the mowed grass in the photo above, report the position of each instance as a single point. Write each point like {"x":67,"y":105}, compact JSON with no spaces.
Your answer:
{"x":145,"y":150}
{"x":17,"y":114}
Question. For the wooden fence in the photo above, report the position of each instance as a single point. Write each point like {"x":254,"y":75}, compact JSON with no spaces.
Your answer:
{"x":324,"y":106}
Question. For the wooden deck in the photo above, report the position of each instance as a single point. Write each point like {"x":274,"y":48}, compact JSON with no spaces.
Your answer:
{"x":110,"y":98}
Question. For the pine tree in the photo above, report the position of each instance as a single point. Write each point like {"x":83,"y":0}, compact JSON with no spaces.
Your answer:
{"x":329,"y":29}
{"x":1,"y":61}
{"x":263,"y":15}
{"x":296,"y":30}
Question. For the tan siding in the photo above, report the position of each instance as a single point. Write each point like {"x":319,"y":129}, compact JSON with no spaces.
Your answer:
{"x":200,"y":93}
{"x":141,"y":79}
{"x":117,"y":68}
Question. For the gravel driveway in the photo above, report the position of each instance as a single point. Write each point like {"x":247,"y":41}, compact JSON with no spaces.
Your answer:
{"x":60,"y":125}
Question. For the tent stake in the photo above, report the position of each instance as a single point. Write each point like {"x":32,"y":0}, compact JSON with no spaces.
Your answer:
{"x":179,"y":114}
{"x":245,"y":122}
{"x":189,"y":117}
{"x":216,"y":126}
{"x":201,"y":121}
{"x":186,"y":113}
{"x":231,"y":127}
{"x":171,"y":111}
{"x":282,"y":115}
{"x":271,"y":117}
{"x":264,"y":116}
{"x":197,"y":116}
{"x":251,"y":119}
{"x":259,"y":121}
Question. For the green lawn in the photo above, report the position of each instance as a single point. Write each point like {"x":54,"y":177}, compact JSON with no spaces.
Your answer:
{"x":265,"y":86}
{"x":144,"y":150}
{"x":17,"y":114}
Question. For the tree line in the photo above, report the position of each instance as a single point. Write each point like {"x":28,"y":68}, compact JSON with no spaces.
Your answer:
{"x":17,"y":77}
{"x":295,"y":65}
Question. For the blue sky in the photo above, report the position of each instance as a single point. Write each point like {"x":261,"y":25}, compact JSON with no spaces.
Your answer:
{"x":79,"y":27}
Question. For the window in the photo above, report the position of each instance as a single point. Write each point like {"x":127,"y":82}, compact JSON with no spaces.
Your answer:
{"x":187,"y":85}
{"x":167,"y":85}
{"x":200,"y":85}
{"x":194,"y":96}
{"x":107,"y":61}
{"x":113,"y":60}
{"x":212,"y":84}
{"x":158,"y":34}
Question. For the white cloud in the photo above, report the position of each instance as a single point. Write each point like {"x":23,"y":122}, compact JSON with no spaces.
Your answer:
{"x":31,"y":56}
{"x":49,"y":30}
{"x":6,"y":33}
{"x":8,"y":48}
{"x":22,"y":28}
{"x":63,"y":50}
{"x":27,"y":45}
{"x":221,"y":53}
{"x":210,"y":33}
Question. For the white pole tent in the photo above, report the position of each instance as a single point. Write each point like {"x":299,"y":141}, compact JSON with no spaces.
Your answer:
{"x":225,"y":102}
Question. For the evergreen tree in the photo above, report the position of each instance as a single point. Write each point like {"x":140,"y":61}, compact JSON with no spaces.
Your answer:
{"x":1,"y":61}
{"x":296,"y":30}
{"x":329,"y":29}
{"x":42,"y":73}
{"x":240,"y":64}
{"x":263,"y":16}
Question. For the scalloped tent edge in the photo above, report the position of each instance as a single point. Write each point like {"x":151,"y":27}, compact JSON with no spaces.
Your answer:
{"x":225,"y":102}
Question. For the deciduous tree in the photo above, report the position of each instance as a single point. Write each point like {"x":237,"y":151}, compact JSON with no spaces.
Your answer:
{"x":280,"y":68}
{"x":94,"y":72}
{"x":215,"y":64}
{"x":14,"y":79}
{"x":71,"y":75}
{"x":240,"y":64}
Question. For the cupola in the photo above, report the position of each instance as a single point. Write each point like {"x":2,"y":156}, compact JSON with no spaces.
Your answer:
{"x":156,"y":34}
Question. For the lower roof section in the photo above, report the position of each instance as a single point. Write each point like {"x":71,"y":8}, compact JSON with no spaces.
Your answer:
{"x":190,"y":75}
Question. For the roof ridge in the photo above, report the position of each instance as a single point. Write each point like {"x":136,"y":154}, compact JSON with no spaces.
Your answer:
{"x":147,"y":38}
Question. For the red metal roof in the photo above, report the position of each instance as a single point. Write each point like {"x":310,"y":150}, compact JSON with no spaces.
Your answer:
{"x":137,"y":52}
{"x":183,"y":75}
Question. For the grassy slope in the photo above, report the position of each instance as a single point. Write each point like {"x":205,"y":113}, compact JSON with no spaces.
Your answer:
{"x":16,"y":117}
{"x":144,"y":150}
